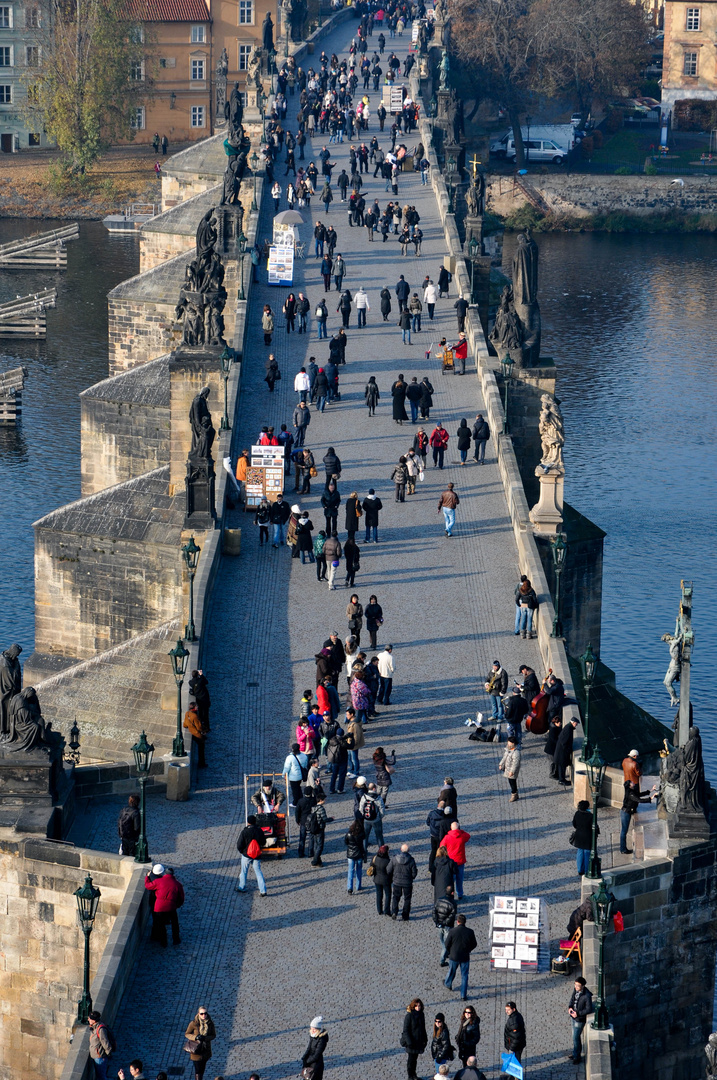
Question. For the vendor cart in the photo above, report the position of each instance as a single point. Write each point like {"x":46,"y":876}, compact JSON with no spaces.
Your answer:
{"x":276,"y":826}
{"x":447,"y":359}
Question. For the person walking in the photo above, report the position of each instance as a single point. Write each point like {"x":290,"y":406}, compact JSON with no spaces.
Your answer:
{"x":426,"y":400}
{"x":333,"y":553}
{"x":318,"y":820}
{"x":496,"y":686}
{"x":400,"y":477}
{"x":442,"y":1051}
{"x":362,"y":306}
{"x":262,"y":518}
{"x":582,"y":836}
{"x":403,"y":291}
{"x":448,"y":502}
{"x":201,"y":1030}
{"x":168,"y":898}
{"x":398,"y":393}
{"x":301,"y":421}
{"x":272,"y":372}
{"x":414,"y":1039}
{"x":276,"y":195}
{"x":413,"y":470}
{"x":510,"y":765}
{"x":481,"y":434}
{"x":579,"y":1008}
{"x":514,"y":1030}
{"x":372,"y":808}
{"x":371,"y":395}
{"x":319,"y":555}
{"x":413,"y":393}
{"x":267,"y":324}
{"x":444,"y":280}
{"x":385,"y":303}
{"x":322,"y":314}
{"x":563,"y":755}
{"x":439,"y":442}
{"x":313,"y":1059}
{"x":339,"y":272}
{"x":129,"y":825}
{"x":355,"y":842}
{"x":464,"y":440}
{"x":468,"y":1034}
{"x":405,"y":871}
{"x":455,"y":842}
{"x":443,"y":869}
{"x":404,"y":322}
{"x":380,"y":864}
{"x":460,"y":943}
{"x":415,"y":307}
{"x":386,"y":671}
{"x":302,"y":384}
{"x":461,"y":309}
{"x":289,"y":312}
{"x":374,"y":619}
{"x":250,"y":846}
{"x":420,"y":445}
{"x":430,"y":298}
{"x":384,"y":770}
{"x":445,"y":910}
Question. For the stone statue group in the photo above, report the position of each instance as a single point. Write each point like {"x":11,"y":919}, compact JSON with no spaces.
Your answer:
{"x":517,"y":324}
{"x":203,"y":296}
{"x":22,"y":726}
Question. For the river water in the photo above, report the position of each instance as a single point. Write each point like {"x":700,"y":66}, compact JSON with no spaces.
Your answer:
{"x":40,"y":459}
{"x":626,"y":319}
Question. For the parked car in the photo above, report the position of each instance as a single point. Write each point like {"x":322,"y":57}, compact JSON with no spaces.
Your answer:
{"x":538,"y":150}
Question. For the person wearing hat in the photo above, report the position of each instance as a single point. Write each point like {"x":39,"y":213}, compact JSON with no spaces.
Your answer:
{"x":314,"y":1056}
{"x":496,"y":685}
{"x":268,"y":798}
{"x":168,"y":897}
{"x":631,"y":769}
{"x":441,"y":1050}
{"x":372,"y":505}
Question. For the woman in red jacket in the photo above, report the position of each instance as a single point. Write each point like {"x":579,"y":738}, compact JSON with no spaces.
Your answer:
{"x":168,"y":896}
{"x":455,"y":842}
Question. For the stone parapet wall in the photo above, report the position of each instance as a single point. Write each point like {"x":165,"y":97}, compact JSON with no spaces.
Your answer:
{"x":156,"y":248}
{"x":140,"y":332}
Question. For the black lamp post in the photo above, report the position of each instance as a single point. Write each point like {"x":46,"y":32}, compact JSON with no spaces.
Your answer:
{"x":87,"y":897}
{"x":588,"y":662}
{"x":507,"y":366}
{"x":527,"y":143}
{"x":603,"y":905}
{"x":73,"y":755}
{"x":596,"y":772}
{"x":261,"y":106}
{"x":143,"y":752}
{"x":190,"y":554}
{"x":179,"y":656}
{"x":559,"y":551}
{"x":473,"y":252}
{"x":241,"y":243}
{"x":272,"y":69}
{"x":225,"y":361}
{"x":254,"y":161}
{"x":432,"y":107}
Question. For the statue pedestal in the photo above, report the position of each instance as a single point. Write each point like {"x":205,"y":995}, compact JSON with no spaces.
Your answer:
{"x":252,"y":114}
{"x":547,"y":514}
{"x":473,"y":227}
{"x":230,"y":217}
{"x":199,"y":481}
{"x":689,"y":825}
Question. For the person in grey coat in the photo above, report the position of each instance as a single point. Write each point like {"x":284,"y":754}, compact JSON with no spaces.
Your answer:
{"x":404,"y":870}
{"x":301,"y":419}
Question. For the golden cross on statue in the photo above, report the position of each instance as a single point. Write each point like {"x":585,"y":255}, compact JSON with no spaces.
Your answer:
{"x":475,"y":163}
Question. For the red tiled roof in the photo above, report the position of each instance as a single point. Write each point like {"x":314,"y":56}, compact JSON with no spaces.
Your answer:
{"x":166,"y":10}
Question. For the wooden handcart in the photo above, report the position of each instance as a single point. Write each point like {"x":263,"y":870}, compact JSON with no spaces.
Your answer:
{"x":447,"y":360}
{"x":275,"y":826}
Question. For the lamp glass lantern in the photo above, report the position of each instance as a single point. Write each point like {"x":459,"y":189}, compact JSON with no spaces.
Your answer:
{"x":559,"y":551}
{"x":143,"y":752}
{"x":596,"y":773}
{"x":603,"y":904}
{"x":88,"y":898}
{"x":588,"y":663}
{"x":225,"y":361}
{"x":506,"y":364}
{"x":241,"y":244}
{"x":74,"y":744}
{"x":179,"y":656}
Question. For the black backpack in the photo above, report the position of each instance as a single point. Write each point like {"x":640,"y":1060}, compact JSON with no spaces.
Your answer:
{"x":370,"y":810}
{"x":314,"y":828}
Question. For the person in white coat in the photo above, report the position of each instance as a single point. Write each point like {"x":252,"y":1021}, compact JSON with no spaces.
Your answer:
{"x":302,"y":385}
{"x":362,"y":305}
{"x":430,"y":296}
{"x":386,"y":670}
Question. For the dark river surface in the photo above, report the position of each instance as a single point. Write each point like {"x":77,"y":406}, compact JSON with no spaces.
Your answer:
{"x":626,"y":319}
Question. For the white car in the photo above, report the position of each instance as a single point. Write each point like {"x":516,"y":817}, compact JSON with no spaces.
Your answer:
{"x":538,"y":150}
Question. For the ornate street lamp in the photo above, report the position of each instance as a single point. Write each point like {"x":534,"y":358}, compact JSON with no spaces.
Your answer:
{"x":507,"y":366}
{"x":190,"y":554}
{"x":588,"y":663}
{"x":254,"y":161}
{"x":143,"y":752}
{"x":596,"y":772}
{"x":473,"y":253}
{"x":451,"y":185}
{"x":179,"y":656}
{"x":73,"y":756}
{"x":87,"y":897}
{"x":241,"y":243}
{"x":260,"y":104}
{"x":559,"y":550}
{"x":272,"y":69}
{"x":603,"y":905}
{"x":527,"y":143}
{"x":225,"y":361}
{"x":433,"y":107}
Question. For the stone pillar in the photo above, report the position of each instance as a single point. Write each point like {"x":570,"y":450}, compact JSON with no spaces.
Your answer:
{"x":230,"y":218}
{"x":547,"y":514}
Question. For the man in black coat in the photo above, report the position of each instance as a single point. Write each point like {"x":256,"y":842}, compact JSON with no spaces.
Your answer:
{"x":128,"y":825}
{"x":403,"y":291}
{"x":372,"y":505}
{"x":199,"y":690}
{"x":516,"y":708}
{"x":563,"y":755}
{"x":556,"y":691}
{"x":461,"y":307}
{"x":404,"y":870}
{"x":481,"y":434}
{"x":530,"y":685}
{"x":330,"y":501}
{"x":579,"y":1008}
{"x":434,"y":821}
{"x":471,"y":1071}
{"x":305,"y":805}
{"x":459,"y":944}
{"x":279,"y":514}
{"x":514,"y":1031}
{"x":445,"y":910}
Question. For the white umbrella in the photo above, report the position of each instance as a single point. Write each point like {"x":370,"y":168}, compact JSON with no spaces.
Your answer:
{"x":289,"y":217}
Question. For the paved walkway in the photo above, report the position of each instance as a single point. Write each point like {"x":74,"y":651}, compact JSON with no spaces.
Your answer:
{"x":264,"y":967}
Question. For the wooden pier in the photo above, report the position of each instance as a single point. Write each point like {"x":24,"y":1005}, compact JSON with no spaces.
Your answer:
{"x":43,"y":250}
{"x":25,"y":317}
{"x":11,"y":386}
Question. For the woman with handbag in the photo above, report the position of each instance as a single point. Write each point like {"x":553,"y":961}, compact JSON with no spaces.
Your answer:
{"x":354,"y":612}
{"x":468,"y":1034}
{"x":353,"y":514}
{"x":199,"y":1035}
{"x":413,"y":1037}
{"x":381,"y":873}
{"x":313,"y":1059}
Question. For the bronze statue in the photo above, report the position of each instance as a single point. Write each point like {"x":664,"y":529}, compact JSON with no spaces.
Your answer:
{"x":10,"y":682}
{"x":692,"y":775}
{"x":505,"y":334}
{"x":444,"y":67}
{"x":673,"y":672}
{"x":267,"y":33}
{"x":206,"y":234}
{"x":525,"y":295}
{"x":202,"y":431}
{"x":27,"y":730}
{"x":236,"y":110}
{"x":230,"y":192}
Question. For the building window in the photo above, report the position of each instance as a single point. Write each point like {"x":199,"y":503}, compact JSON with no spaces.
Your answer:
{"x":197,"y":116}
{"x":136,"y":71}
{"x":690,"y":63}
{"x":5,"y":17}
{"x":32,"y":18}
{"x":692,"y":19}
{"x":197,"y":71}
{"x":5,"y":94}
{"x":32,"y":55}
{"x":244,"y":53}
{"x":246,"y":12}
{"x":33,"y":138}
{"x":6,"y":56}
{"x":136,"y":35}
{"x":198,"y":35}
{"x":137,"y":119}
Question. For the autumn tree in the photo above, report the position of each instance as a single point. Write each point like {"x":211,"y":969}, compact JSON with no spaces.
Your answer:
{"x":94,"y":70}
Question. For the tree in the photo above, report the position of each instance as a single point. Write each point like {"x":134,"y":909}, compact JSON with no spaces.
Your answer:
{"x":503,"y":40}
{"x":591,"y":50}
{"x":93,"y":74}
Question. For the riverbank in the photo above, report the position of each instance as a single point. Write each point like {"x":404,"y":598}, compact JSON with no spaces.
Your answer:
{"x":616,"y":221}
{"x":32,"y":184}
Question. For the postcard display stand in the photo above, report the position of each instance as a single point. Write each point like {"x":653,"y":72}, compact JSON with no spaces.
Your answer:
{"x":519,"y":935}
{"x":265,"y":474}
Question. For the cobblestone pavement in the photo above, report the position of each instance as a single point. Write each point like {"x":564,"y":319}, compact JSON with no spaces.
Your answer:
{"x":264,"y":967}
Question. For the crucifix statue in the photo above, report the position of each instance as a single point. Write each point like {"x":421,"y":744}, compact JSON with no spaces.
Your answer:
{"x":680,"y":644}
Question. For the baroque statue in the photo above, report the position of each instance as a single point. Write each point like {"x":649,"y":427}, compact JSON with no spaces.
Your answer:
{"x":221,"y":83}
{"x":440,"y":10}
{"x":232,"y":181}
{"x":505,"y":334}
{"x":10,"y":682}
{"x":475,"y":196}
{"x":444,"y":67}
{"x":253,"y":69}
{"x":202,"y":431}
{"x":27,"y":729}
{"x":235,"y":111}
{"x":674,"y":670}
{"x":267,"y":33}
{"x":525,"y":295}
{"x":203,"y":296}
{"x":552,"y":434}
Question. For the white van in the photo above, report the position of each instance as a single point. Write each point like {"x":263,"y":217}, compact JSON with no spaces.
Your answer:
{"x":562,"y":135}
{"x":537,"y":150}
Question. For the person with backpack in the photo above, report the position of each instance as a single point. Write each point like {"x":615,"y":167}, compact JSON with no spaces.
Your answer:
{"x":304,"y":806}
{"x":337,"y":754}
{"x":372,"y":809}
{"x":128,"y":826}
{"x":322,"y":314}
{"x":102,"y":1044}
{"x":319,"y":544}
{"x":250,"y":846}
{"x":355,"y":842}
{"x":296,"y":767}
{"x":316,"y":828}
{"x":481,"y":434}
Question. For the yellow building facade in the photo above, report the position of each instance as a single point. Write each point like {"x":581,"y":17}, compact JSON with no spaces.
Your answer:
{"x":689,"y":66}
